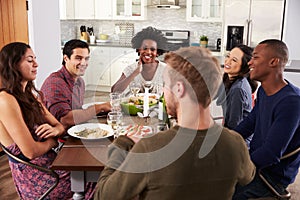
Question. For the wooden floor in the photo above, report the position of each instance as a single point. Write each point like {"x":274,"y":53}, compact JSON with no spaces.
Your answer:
{"x":7,"y":187}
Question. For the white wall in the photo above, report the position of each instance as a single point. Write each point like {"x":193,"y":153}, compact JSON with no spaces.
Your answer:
{"x":292,"y":28}
{"x":44,"y":36}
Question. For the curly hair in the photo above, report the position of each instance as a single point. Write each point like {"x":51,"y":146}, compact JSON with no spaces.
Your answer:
{"x":10,"y":57}
{"x":151,"y":34}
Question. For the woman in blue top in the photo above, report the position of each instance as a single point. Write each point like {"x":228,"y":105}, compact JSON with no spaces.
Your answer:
{"x":235,"y":95}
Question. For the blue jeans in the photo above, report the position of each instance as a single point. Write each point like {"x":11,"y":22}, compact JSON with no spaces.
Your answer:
{"x":257,"y":188}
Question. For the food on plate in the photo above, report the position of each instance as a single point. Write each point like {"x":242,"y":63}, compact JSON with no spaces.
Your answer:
{"x":133,"y":105}
{"x":136,"y":130}
{"x":139,"y":100}
{"x":91,"y":133}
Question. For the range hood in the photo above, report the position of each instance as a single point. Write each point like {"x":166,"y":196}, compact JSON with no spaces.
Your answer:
{"x":165,"y":4}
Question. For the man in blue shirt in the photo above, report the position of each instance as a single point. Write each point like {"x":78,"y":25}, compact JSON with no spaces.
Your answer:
{"x":274,"y":122}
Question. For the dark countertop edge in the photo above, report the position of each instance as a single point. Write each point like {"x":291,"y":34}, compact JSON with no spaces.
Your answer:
{"x":293,"y":66}
{"x":110,"y":44}
{"x":292,"y":69}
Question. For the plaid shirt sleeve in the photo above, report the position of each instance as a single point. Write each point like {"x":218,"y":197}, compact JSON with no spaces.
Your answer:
{"x":57,"y":96}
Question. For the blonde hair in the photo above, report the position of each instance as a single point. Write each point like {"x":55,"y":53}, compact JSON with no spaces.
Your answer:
{"x":198,"y":70}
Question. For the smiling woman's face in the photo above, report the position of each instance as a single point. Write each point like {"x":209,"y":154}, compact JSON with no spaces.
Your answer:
{"x":148,"y":51}
{"x":233,"y":62}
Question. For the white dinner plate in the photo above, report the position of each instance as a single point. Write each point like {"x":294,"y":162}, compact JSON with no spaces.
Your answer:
{"x":102,"y":41}
{"x":85,"y":106}
{"x":92,"y":136}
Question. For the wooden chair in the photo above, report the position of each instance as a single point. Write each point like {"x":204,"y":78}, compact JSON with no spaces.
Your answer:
{"x":287,"y":194}
{"x":43,"y":169}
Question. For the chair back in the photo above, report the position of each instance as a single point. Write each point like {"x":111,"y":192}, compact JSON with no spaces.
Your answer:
{"x":287,"y":194}
{"x":43,"y":169}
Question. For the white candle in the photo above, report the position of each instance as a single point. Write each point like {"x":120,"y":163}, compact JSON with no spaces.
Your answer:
{"x":146,"y":102}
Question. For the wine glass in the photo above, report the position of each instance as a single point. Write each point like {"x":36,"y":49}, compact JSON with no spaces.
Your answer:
{"x":114,"y":119}
{"x":148,"y":84}
{"x":158,"y":88}
{"x":135,"y":88}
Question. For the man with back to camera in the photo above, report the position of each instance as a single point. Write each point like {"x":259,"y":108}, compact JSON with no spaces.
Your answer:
{"x":275,"y":122}
{"x":64,"y":90}
{"x":191,"y":160}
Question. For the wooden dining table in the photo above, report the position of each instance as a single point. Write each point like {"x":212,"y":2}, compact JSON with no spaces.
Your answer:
{"x":85,"y":159}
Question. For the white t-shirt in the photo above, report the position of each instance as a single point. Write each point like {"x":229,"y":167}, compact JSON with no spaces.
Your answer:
{"x":157,"y":78}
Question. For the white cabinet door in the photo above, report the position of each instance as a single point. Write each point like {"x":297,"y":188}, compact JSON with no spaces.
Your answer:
{"x":103,"y":9}
{"x":84,"y":9}
{"x":106,"y":66}
{"x":204,"y":10}
{"x":129,"y":9}
{"x":121,"y":58}
{"x":66,"y":9}
{"x":98,"y":72}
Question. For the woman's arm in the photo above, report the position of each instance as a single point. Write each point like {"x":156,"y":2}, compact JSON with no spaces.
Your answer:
{"x":124,"y":81}
{"x":15,"y":129}
{"x":53,"y":128}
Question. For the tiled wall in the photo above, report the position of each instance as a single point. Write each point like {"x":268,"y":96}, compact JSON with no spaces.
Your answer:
{"x":161,"y":19}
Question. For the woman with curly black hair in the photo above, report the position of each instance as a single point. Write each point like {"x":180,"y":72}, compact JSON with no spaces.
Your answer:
{"x":149,"y":43}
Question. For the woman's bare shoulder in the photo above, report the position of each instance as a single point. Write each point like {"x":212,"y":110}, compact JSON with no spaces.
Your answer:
{"x":7,"y":99}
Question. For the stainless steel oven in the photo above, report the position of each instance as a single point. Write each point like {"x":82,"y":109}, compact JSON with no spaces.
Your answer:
{"x":176,"y":39}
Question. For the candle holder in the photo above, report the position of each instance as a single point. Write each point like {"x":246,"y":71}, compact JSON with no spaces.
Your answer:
{"x":151,"y":114}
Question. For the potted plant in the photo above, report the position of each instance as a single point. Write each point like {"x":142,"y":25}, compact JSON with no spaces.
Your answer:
{"x":203,"y":41}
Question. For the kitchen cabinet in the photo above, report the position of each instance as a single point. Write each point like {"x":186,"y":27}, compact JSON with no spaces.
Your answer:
{"x":204,"y":10}
{"x":99,"y":60}
{"x":121,"y":59}
{"x":103,"y":9}
{"x":66,"y":9}
{"x":129,"y":9}
{"x":106,"y":66}
{"x":84,"y":9}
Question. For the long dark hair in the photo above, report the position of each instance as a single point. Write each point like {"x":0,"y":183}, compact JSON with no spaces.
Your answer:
{"x":244,"y":72}
{"x":10,"y":76}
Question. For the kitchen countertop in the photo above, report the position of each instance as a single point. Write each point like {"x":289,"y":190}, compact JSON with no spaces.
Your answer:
{"x":111,"y":44}
{"x":120,"y":44}
{"x":293,"y":66}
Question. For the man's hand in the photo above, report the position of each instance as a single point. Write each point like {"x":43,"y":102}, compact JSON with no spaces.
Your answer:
{"x":104,"y":107}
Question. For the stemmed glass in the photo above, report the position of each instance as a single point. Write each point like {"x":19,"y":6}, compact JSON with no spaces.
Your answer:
{"x":135,"y":88}
{"x":148,"y":84}
{"x":158,"y":89}
{"x":114,"y":119}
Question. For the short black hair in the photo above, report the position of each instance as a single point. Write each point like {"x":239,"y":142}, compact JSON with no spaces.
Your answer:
{"x":73,"y":44}
{"x":279,"y":48}
{"x":150,"y":33}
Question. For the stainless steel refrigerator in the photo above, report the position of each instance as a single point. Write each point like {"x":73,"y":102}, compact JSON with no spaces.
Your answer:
{"x":251,"y":21}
